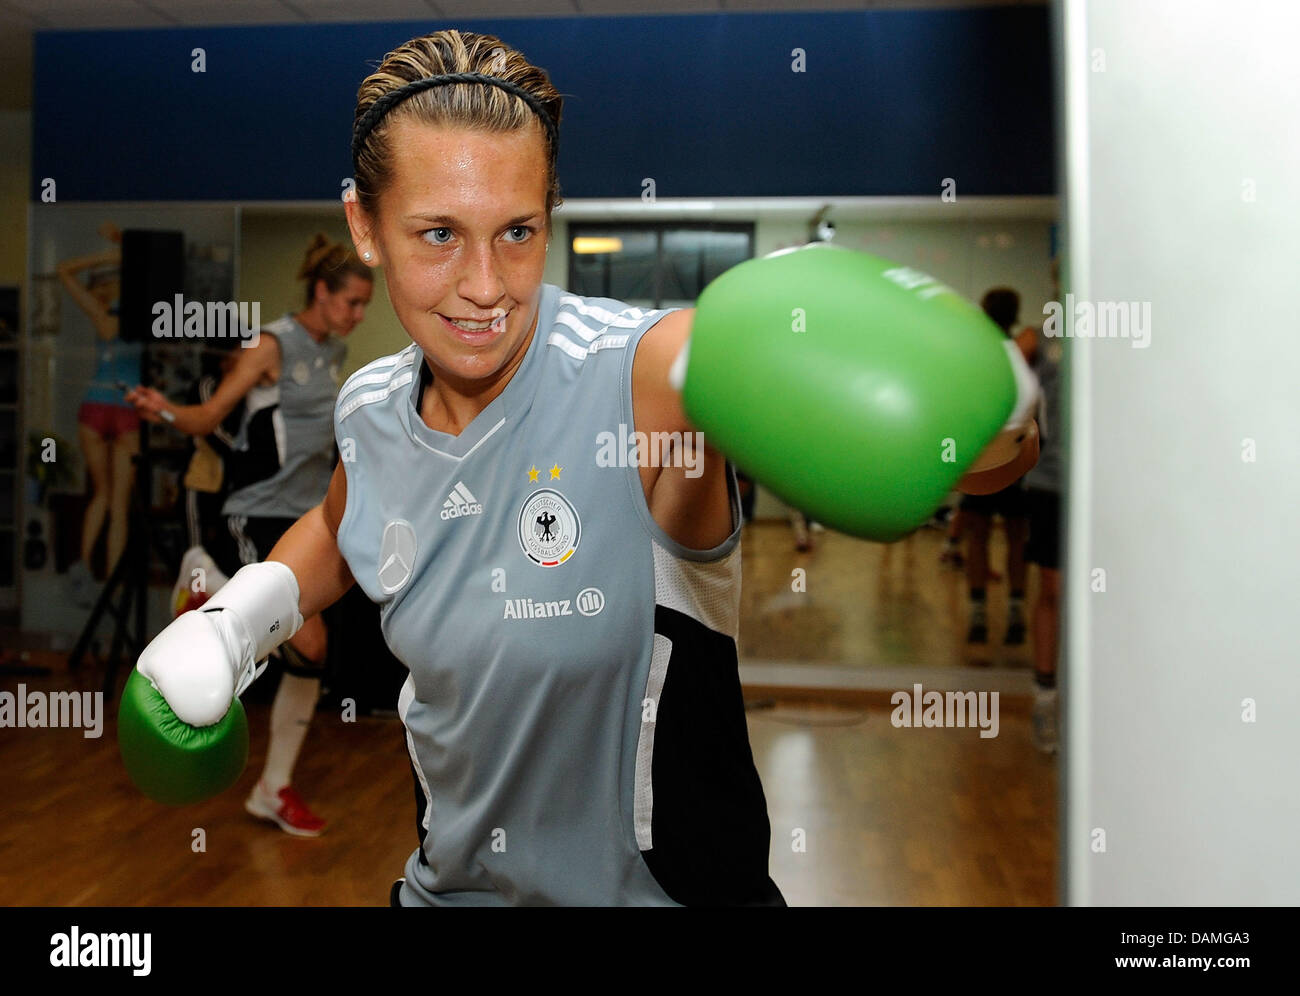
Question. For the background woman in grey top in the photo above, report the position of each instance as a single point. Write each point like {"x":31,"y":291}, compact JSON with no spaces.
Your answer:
{"x":284,"y":455}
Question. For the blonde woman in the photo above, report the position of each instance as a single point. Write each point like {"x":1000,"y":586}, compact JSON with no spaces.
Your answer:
{"x":569,"y":617}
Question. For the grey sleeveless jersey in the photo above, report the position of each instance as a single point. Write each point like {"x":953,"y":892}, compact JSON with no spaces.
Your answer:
{"x":1047,"y":473}
{"x":573,"y":708}
{"x":301,"y":404}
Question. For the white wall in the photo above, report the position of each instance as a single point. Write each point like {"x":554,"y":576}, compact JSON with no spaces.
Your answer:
{"x":1195,"y":104}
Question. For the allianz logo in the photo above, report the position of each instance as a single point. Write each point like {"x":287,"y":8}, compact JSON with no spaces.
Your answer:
{"x":460,"y":502}
{"x":589,"y":602}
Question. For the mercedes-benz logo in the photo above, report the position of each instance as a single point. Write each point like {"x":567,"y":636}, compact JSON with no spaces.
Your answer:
{"x":396,"y":555}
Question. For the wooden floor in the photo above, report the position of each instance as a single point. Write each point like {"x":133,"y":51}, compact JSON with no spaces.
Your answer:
{"x":862,"y":812}
{"x":868,"y":606}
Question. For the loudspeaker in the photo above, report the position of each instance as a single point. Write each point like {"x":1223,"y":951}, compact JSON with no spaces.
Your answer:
{"x":153,"y":270}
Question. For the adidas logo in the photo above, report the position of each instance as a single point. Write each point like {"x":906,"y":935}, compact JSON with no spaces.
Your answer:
{"x":460,"y":502}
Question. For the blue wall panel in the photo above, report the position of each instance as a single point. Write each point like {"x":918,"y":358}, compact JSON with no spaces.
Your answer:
{"x":891,"y":103}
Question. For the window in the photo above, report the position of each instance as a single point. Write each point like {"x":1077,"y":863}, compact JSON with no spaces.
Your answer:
{"x":654,"y":265}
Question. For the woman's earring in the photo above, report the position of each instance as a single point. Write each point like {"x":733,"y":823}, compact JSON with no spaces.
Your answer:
{"x":365,"y":255}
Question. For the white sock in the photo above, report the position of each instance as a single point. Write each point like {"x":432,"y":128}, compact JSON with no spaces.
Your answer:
{"x":290,"y":718}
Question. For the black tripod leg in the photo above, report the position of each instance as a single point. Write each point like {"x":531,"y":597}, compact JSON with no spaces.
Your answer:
{"x":119,"y":637}
{"x":101,"y":606}
{"x":130,"y":630}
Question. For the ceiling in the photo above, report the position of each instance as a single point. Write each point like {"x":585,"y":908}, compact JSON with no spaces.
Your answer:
{"x":19,"y":18}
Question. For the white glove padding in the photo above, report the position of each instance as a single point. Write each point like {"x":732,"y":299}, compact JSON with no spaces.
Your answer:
{"x":1005,"y":446}
{"x":192,"y":663}
{"x":208,"y":656}
{"x":264,"y":600}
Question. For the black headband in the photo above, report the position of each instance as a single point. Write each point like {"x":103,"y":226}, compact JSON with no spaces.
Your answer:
{"x":390,"y":100}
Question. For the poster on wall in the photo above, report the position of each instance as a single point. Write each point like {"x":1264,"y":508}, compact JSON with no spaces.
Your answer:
{"x":94,"y":271}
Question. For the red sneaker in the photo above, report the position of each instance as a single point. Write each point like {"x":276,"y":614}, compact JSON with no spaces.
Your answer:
{"x":195,"y":564}
{"x":188,"y":601}
{"x":286,"y":809}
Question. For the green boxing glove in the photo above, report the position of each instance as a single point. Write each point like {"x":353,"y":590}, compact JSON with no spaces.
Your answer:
{"x":181,"y":728}
{"x":857,"y":390}
{"x":174,"y":762}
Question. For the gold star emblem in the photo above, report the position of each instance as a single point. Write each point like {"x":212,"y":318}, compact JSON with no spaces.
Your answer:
{"x":555,"y":472}
{"x":532,"y":473}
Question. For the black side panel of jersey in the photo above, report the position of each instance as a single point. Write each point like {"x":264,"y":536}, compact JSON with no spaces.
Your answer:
{"x":221,"y":437}
{"x":262,"y":458}
{"x":709,"y":824}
